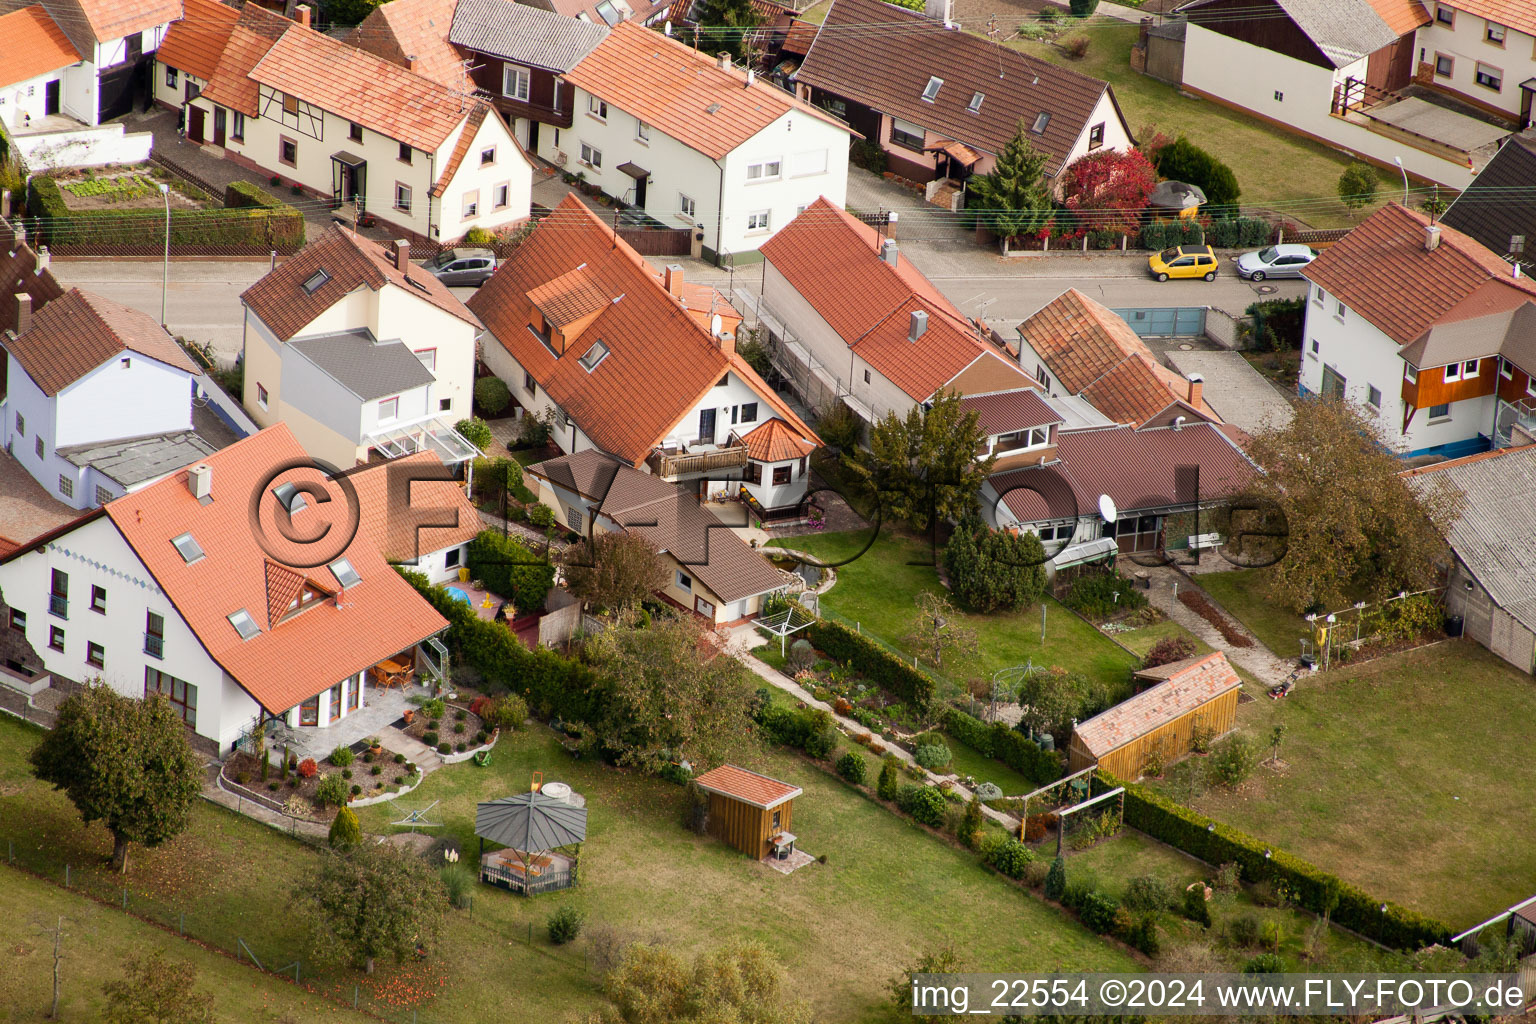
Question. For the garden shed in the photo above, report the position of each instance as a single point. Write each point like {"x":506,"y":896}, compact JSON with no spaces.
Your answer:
{"x":1199,"y":692}
{"x":750,"y":812}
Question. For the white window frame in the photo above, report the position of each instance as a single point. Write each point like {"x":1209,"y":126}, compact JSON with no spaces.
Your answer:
{"x":470,"y":207}
{"x":687,"y":206}
{"x":515,"y":82}
{"x":1470,"y":368}
{"x":1452,"y":373}
{"x":931,"y":90}
{"x":1338,"y":309}
{"x":1494,"y":33}
{"x":501,"y":195}
{"x":1442,"y":417}
{"x":1371,"y":389}
{"x":758,"y":220}
{"x":591,"y":156}
{"x":760,"y":172}
{"x":683,"y":580}
{"x":597,"y":108}
{"x":428,"y":357}
{"x":1478,"y":74}
{"x":389,"y":409}
{"x":642,"y":131}
{"x":1506,"y":371}
{"x":1410,"y":374}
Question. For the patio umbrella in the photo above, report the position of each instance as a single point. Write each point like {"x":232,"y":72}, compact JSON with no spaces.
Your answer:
{"x":531,"y":822}
{"x":1176,"y":195}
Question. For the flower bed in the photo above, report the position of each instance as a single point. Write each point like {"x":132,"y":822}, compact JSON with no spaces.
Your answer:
{"x":438,"y":723}
{"x":298,"y":789}
{"x":1198,"y":603}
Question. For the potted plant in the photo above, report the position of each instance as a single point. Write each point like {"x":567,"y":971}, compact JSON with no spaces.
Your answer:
{"x":374,"y":746}
{"x":408,"y":714}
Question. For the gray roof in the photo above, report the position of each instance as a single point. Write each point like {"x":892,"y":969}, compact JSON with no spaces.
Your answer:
{"x":1345,"y":30}
{"x":362,"y":364}
{"x":531,"y":822}
{"x":1508,"y":331}
{"x":1499,"y":205}
{"x":137,"y":460}
{"x":1495,"y":534}
{"x":1076,"y":413}
{"x":523,"y":34}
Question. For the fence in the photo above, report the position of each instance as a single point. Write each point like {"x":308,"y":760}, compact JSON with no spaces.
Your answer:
{"x":1165,"y":322}
{"x":658,"y":241}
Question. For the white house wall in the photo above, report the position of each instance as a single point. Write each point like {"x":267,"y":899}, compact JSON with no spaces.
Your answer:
{"x":796,"y":136}
{"x":113,"y":401}
{"x":78,"y":96}
{"x":1116,"y":136}
{"x":174,"y":96}
{"x":1466,"y":44}
{"x":422,"y":325}
{"x":510,"y":168}
{"x":1251,"y":76}
{"x":27,"y":98}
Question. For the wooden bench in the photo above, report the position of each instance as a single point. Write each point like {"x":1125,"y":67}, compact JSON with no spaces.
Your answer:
{"x":1201,"y":541}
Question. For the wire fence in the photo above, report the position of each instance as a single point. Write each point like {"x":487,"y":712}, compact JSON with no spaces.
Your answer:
{"x":400,"y":994}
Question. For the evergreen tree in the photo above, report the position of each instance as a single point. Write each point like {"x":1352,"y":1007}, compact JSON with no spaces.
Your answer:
{"x":971,"y":824}
{"x":1056,"y":880}
{"x":1013,"y":200}
{"x":925,"y":466}
{"x":889,"y":785}
{"x":1182,"y":160}
{"x":991,"y":569}
{"x":345,"y":830}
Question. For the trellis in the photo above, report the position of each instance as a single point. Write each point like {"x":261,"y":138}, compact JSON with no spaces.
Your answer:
{"x":1118,"y":794}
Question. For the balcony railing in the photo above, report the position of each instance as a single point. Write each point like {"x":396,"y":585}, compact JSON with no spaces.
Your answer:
{"x":154,"y":646}
{"x":58,"y":605}
{"x":678,"y":464}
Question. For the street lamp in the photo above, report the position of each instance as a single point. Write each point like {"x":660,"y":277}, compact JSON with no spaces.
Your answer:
{"x":165,"y":266}
{"x":1399,"y":161}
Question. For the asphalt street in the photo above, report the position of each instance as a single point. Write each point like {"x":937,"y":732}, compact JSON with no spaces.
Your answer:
{"x":203,"y":297}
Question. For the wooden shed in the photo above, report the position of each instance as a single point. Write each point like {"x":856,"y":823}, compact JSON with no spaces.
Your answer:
{"x":750,"y":812}
{"x":1198,"y":692}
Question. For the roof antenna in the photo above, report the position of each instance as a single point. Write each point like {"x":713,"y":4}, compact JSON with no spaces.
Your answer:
{"x":992,"y":35}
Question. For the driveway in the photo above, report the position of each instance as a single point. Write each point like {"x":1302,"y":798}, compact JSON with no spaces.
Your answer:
{"x":1240,"y":394}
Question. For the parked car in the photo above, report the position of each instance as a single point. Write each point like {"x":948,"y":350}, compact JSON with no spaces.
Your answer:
{"x":1286,"y":260}
{"x":462,"y":267}
{"x":1184,"y":261}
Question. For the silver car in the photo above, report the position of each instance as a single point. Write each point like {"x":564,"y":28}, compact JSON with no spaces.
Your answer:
{"x":462,"y":267}
{"x":1285,"y":260}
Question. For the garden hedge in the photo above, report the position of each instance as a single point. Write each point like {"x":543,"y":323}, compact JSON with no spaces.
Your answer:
{"x":1013,"y":748}
{"x":1315,"y":889}
{"x":875,"y":663}
{"x":260,"y":224}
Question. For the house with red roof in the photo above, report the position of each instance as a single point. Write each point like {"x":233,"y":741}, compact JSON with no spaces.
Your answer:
{"x":694,"y":142}
{"x":190,"y":51}
{"x":361,"y":352}
{"x":363,"y":132}
{"x":211,"y":588}
{"x":1483,"y":53}
{"x":634,"y":361}
{"x":1428,"y":331}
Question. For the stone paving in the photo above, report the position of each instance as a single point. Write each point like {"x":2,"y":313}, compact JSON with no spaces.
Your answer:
{"x":1167,"y":581}
{"x":1240,"y":394}
{"x":26,"y":508}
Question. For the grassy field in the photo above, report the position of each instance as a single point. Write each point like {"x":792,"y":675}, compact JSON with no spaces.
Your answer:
{"x":843,"y":929}
{"x":877,"y":591}
{"x":1406,"y":776}
{"x":969,"y":761}
{"x":1275,"y":169}
{"x":97,"y":938}
{"x":1240,"y":592}
{"x":1142,"y":640}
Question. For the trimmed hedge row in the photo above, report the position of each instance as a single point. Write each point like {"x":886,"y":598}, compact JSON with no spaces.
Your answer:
{"x":869,"y":659}
{"x":262,"y":225}
{"x":1009,"y":746}
{"x":1315,"y":889}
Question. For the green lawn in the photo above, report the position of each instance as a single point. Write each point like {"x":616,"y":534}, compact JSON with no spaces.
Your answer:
{"x":969,"y":761}
{"x":1275,"y":169}
{"x":97,"y":938}
{"x":843,"y":929}
{"x":1408,"y":776}
{"x":877,"y":591}
{"x":1144,"y":639}
{"x":1241,"y":592}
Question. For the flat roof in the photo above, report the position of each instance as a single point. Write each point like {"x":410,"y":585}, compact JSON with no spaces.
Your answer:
{"x":137,"y":460}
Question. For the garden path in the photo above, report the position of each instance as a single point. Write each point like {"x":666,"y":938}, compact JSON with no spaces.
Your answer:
{"x":743,"y":639}
{"x":1267,"y":666}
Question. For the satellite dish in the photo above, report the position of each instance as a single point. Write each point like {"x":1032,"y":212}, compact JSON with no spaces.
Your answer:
{"x":1107,"y":508}
{"x":715,"y":323}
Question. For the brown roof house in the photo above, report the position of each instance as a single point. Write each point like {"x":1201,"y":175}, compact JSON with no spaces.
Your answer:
{"x":360,"y":130}
{"x":97,"y":397}
{"x":714,"y":574}
{"x":1186,"y":702}
{"x":752,"y":813}
{"x":632,"y":361}
{"x":943,"y":102}
{"x":190,"y":52}
{"x":1076,"y":346}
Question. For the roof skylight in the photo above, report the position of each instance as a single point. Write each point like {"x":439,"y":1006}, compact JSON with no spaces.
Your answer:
{"x":290,"y":497}
{"x":244,"y":624}
{"x":975,"y":104}
{"x":594,"y":355}
{"x":931,"y":90}
{"x":1040,"y":122}
{"x":189,"y":550}
{"x":344,"y":573}
{"x":314,"y":282}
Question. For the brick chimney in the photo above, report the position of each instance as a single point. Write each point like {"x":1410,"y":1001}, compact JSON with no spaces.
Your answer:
{"x":673,"y":278}
{"x":301,"y":12}
{"x":410,"y":62}
{"x":1196,"y":389}
{"x":23,"y":318}
{"x":402,"y":255}
{"x":723,"y":60}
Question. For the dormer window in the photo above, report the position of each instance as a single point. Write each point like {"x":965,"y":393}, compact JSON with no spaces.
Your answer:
{"x":244,"y":624}
{"x":314,"y":282}
{"x":1041,"y":121}
{"x":1021,"y":440}
{"x":290,"y":497}
{"x":189,"y":550}
{"x":344,"y":573}
{"x":931,"y":90}
{"x":594,"y":355}
{"x":974,"y":106}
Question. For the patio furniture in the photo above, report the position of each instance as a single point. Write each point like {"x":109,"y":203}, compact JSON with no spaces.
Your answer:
{"x":782,"y":845}
{"x":531,"y":826}
{"x":389,"y":673}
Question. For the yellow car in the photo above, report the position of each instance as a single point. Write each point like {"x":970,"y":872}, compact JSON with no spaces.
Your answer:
{"x":1184,"y":261}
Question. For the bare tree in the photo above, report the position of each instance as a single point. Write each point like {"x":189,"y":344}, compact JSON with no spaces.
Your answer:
{"x":56,"y":932}
{"x":937,"y":630}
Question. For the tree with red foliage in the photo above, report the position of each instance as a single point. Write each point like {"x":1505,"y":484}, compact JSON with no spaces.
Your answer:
{"x":1109,"y":188}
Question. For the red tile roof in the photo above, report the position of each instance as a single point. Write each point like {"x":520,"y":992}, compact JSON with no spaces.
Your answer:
{"x":748,"y":787}
{"x":102,"y":21}
{"x":254,"y":33}
{"x":19,"y":274}
{"x":661,"y":361}
{"x":833,"y":260}
{"x":7,"y":546}
{"x":1517,"y":14}
{"x":362,"y":87}
{"x":1008,"y":411}
{"x":1094,"y":353}
{"x":1187,"y":686}
{"x":79,"y":331}
{"x":422,"y":485}
{"x":774,"y":441}
{"x":402,"y":29}
{"x":32,"y":44}
{"x":1403,"y":16}
{"x":681,"y":92}
{"x":1139,"y":469}
{"x":295,"y":658}
{"x":351,"y":262}
{"x":196,"y":41}
{"x":1383,"y":273}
